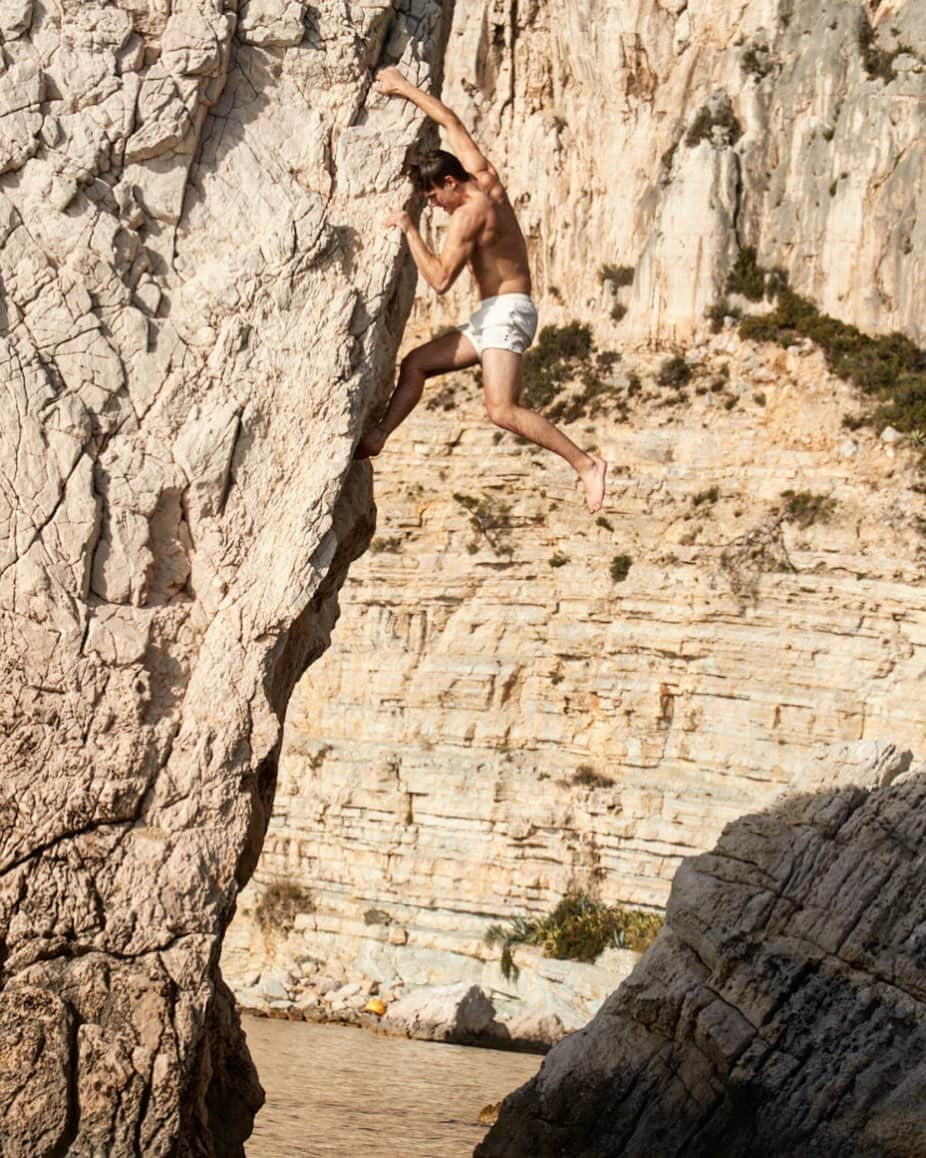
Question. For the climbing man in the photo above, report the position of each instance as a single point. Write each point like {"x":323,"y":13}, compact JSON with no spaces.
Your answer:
{"x":485,"y":234}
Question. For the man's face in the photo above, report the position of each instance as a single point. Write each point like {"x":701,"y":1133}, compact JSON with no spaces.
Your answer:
{"x":445,"y":196}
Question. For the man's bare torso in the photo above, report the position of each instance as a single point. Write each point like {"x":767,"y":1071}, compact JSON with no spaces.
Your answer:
{"x":499,"y":260}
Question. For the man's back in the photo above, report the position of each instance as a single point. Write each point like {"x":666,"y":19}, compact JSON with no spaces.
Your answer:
{"x":499,"y":259}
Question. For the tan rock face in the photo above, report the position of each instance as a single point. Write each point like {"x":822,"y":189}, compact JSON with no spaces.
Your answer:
{"x":661,"y":135}
{"x":781,"y":1011}
{"x":500,"y":719}
{"x":198,"y":303}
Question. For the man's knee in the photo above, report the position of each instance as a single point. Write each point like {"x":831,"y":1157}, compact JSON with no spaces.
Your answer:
{"x":419,"y":362}
{"x":502,"y":414}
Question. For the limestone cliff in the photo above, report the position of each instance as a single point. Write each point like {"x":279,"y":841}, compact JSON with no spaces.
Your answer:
{"x":198,"y":304}
{"x":780,"y":1012}
{"x":657,"y":136}
{"x":506,"y":713}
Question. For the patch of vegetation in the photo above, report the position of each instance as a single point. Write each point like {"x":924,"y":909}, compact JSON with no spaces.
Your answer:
{"x":890,"y":369}
{"x":490,"y":518}
{"x":756,"y":61}
{"x":444,"y":399}
{"x":634,"y":385}
{"x":554,"y":360}
{"x":620,"y":567}
{"x":877,"y":62}
{"x":805,"y":508}
{"x":718,"y":313}
{"x":714,"y":122}
{"x":618,"y":312}
{"x":559,"y":560}
{"x":585,"y":776}
{"x":617,"y":276}
{"x":675,"y":371}
{"x":746,"y":277}
{"x":711,"y":495}
{"x":578,"y":929}
{"x":280,"y":904}
{"x":751,"y":555}
{"x":391,"y":544}
{"x":377,"y":917}
{"x":564,"y":356}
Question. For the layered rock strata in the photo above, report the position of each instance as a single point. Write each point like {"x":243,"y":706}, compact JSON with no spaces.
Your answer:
{"x":658,"y":136}
{"x":198,"y":304}
{"x":504,"y":717}
{"x":781,"y":1011}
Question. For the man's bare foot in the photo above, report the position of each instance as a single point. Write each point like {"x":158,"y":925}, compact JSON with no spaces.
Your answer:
{"x":593,"y":480}
{"x":371,"y":444}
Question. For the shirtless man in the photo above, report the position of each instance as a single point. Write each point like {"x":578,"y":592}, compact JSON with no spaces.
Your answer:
{"x":483,"y":233}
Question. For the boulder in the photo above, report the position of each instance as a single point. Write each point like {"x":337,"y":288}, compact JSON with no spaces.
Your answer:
{"x":781,"y":1011}
{"x":457,"y":1013}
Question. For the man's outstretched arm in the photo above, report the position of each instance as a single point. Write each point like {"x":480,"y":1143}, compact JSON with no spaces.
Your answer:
{"x":391,"y":82}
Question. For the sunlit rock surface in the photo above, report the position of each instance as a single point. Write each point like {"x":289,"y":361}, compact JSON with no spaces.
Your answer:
{"x":198,"y":304}
{"x":659,"y":135}
{"x":500,"y":719}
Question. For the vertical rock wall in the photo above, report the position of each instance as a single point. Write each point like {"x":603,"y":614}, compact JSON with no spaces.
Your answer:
{"x":661,"y":134}
{"x":198,"y":302}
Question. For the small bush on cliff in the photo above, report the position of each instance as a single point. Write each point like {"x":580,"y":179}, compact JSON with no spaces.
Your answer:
{"x":617,"y":276}
{"x":890,"y":369}
{"x":564,"y":356}
{"x":280,"y":903}
{"x":489,"y":517}
{"x":620,"y":567}
{"x":585,"y":776}
{"x":805,"y":508}
{"x":578,"y":929}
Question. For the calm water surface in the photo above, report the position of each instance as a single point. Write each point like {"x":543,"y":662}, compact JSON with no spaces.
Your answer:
{"x":333,"y":1090}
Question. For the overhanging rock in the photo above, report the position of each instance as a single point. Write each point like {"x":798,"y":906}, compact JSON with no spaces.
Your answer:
{"x":199,"y":303}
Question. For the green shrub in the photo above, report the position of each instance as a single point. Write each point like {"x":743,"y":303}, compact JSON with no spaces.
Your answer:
{"x":890,"y":368}
{"x":711,"y":495}
{"x":489,"y":517}
{"x":558,"y":560}
{"x":746,"y":277}
{"x":578,"y":929}
{"x":674,"y":371}
{"x":617,"y":276}
{"x":585,"y":776}
{"x":279,"y":905}
{"x":806,"y":508}
{"x":620,"y":567}
{"x":553,"y":361}
{"x":717,"y":115}
{"x":878,"y":62}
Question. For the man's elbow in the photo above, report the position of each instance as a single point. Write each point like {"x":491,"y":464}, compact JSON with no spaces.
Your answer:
{"x":441,"y":284}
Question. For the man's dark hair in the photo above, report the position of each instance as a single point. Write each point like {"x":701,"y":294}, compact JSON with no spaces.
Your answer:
{"x":430,"y":171}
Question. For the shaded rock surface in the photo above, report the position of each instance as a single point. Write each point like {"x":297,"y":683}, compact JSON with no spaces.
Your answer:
{"x":198,"y":304}
{"x":781,"y":1011}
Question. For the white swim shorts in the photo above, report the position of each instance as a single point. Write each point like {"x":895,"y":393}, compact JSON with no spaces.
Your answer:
{"x":505,"y":322}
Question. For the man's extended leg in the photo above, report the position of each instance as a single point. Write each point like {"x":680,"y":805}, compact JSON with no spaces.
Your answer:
{"x":451,"y":351}
{"x":502,"y":372}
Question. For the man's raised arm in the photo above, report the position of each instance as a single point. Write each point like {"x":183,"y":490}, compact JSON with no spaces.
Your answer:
{"x":392,"y":83}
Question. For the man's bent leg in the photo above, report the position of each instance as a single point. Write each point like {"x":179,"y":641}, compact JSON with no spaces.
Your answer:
{"x":502,"y":375}
{"x":451,"y":351}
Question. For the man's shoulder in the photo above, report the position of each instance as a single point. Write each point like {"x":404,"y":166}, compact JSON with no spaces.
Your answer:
{"x":488,"y":180}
